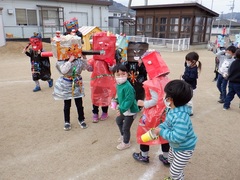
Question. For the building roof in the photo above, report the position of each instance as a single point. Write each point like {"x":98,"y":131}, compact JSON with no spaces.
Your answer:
{"x":94,"y":2}
{"x":86,"y":29}
{"x":225,"y":22}
{"x":165,"y":6}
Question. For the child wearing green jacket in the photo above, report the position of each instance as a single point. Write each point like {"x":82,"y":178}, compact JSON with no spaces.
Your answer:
{"x":127,"y":106}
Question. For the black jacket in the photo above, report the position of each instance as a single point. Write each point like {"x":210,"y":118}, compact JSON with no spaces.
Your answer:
{"x":234,"y":72}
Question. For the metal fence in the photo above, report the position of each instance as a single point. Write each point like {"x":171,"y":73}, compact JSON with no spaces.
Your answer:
{"x":163,"y":44}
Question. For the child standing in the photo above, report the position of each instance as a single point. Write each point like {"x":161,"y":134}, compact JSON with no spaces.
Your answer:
{"x":69,"y":85}
{"x":192,"y":67}
{"x":226,"y":61}
{"x":127,"y":106}
{"x":234,"y":81}
{"x":177,"y":128}
{"x":153,"y":105}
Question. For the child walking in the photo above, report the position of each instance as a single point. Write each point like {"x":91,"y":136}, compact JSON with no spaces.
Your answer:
{"x":177,"y":128}
{"x":192,"y":67}
{"x":127,"y":106}
{"x":234,"y":81}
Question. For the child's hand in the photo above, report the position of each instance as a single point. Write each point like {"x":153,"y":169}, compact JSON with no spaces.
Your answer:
{"x":140,"y":103}
{"x":157,"y":131}
{"x":118,"y":112}
{"x":71,"y":58}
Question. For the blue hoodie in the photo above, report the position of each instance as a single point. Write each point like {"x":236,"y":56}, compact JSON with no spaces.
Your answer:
{"x":178,"y":129}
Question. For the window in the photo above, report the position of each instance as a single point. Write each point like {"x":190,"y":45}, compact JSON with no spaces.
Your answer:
{"x":199,"y":28}
{"x":26,"y":17}
{"x":140,"y":27}
{"x":148,"y":25}
{"x":174,"y":27}
{"x":160,"y":27}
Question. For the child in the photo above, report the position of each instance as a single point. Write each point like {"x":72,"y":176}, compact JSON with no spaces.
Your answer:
{"x":103,"y":84}
{"x":40,"y":66}
{"x":234,"y":81}
{"x":127,"y":106}
{"x":69,"y":85}
{"x":191,"y":72}
{"x":226,"y":61}
{"x":154,"y":107}
{"x":177,"y":128}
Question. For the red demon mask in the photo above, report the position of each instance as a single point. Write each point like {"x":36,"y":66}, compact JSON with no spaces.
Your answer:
{"x":36,"y":43}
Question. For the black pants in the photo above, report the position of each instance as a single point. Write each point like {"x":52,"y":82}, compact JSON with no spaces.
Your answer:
{"x":124,"y":124}
{"x":67,"y":106}
{"x":145,"y":148}
{"x":95,"y":109}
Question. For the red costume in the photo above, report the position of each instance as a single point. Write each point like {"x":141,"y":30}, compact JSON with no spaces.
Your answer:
{"x":103,"y":84}
{"x":153,"y":116}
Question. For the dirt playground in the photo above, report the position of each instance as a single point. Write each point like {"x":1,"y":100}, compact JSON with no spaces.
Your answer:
{"x":34,"y":145}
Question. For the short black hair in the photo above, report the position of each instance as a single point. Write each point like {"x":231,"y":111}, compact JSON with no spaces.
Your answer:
{"x":237,"y":54}
{"x":120,"y":67}
{"x":232,"y":49}
{"x":192,"y":56}
{"x":180,"y":91}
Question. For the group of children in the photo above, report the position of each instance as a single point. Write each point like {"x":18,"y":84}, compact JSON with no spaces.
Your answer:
{"x":228,"y":74}
{"x":165,"y":105}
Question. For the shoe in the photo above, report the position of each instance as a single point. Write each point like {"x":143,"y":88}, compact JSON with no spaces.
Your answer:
{"x":225,"y":108}
{"x":164,"y":160}
{"x":67,"y":126}
{"x":123,"y":146}
{"x":37,"y":88}
{"x":191,"y":114}
{"x":95,"y":118}
{"x":104,"y":116}
{"x":50,"y":83}
{"x":221,"y":101}
{"x":139,"y":157}
{"x":120,"y":139}
{"x":82,"y":124}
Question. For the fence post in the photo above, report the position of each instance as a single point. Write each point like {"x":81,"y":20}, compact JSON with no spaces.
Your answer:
{"x":22,"y":31}
{"x":172,"y":44}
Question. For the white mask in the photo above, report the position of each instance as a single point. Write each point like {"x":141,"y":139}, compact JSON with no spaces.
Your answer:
{"x":229,"y":56}
{"x":121,"y":80}
{"x":189,"y":64}
{"x":136,"y":58}
{"x":167,"y":104}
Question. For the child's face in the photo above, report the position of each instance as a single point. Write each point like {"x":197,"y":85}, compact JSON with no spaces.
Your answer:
{"x":120,"y":74}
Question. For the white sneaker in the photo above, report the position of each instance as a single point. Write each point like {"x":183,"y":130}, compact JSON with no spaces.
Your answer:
{"x":123,"y":146}
{"x":120,"y":139}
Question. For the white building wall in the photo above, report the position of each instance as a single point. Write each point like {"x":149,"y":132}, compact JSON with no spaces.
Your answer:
{"x":2,"y":36}
{"x":88,"y":15}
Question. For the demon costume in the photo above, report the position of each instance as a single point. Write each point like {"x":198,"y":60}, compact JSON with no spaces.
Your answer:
{"x":103,"y":85}
{"x":136,"y":69}
{"x":154,"y":107}
{"x":40,"y":66}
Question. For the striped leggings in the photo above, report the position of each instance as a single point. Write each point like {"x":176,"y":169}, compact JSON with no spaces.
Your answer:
{"x":178,"y":161}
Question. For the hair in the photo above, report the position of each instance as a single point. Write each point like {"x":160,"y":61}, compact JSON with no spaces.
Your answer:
{"x":232,"y":49}
{"x":237,"y":54}
{"x":193,"y":57}
{"x":120,"y":67}
{"x":180,"y":91}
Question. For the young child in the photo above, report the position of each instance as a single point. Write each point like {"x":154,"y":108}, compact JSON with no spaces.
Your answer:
{"x":177,"y":128}
{"x":40,"y":66}
{"x":154,"y":107}
{"x":103,"y":84}
{"x":226,"y":61}
{"x":192,"y":67}
{"x":69,"y":85}
{"x":127,"y":105}
{"x":234,"y":81}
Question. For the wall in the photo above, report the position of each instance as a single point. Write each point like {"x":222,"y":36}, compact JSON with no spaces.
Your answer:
{"x":2,"y":36}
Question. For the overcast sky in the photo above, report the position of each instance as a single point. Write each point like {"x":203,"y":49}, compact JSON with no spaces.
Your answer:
{"x":218,"y":5}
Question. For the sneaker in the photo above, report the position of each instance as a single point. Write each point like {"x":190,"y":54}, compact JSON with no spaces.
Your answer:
{"x":104,"y":116}
{"x":191,"y":114}
{"x":37,"y":88}
{"x":221,"y":101}
{"x":139,"y":157}
{"x":123,"y":146}
{"x":120,"y":139}
{"x":82,"y":124}
{"x":50,"y":83}
{"x":164,"y":160}
{"x":225,"y":108}
{"x":95,"y":118}
{"x":67,"y":126}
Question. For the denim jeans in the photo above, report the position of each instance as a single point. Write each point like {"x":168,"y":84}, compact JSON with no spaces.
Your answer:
{"x":222,"y":86}
{"x":233,"y":88}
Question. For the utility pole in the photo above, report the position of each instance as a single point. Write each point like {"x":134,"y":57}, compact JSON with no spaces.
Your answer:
{"x":230,"y":23}
{"x":212,"y":5}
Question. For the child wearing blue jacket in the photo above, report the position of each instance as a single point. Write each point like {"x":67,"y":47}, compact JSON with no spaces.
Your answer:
{"x":177,"y":128}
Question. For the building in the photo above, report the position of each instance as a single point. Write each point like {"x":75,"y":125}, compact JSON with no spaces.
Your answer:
{"x":218,"y":24}
{"x":185,"y":20}
{"x":23,"y":17}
